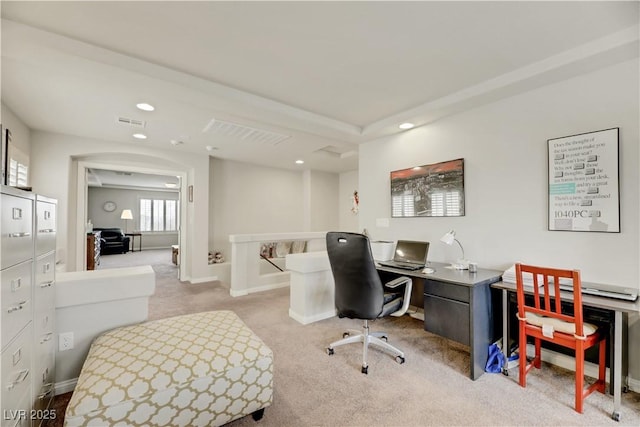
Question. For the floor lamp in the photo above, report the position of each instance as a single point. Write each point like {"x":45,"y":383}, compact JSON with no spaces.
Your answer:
{"x":126,"y":215}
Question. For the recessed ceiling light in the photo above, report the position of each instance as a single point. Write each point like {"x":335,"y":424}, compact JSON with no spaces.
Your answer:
{"x":406,"y":125}
{"x":170,"y":185}
{"x":139,"y":136}
{"x":211,"y":148}
{"x":299,"y":162}
{"x":145,"y":107}
{"x":176,"y":142}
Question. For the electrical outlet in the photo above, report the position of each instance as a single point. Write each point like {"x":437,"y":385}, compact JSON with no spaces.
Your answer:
{"x":65,"y":341}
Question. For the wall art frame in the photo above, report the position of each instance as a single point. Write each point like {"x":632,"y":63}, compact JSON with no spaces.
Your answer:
{"x":435,"y":190}
{"x":583,"y":182}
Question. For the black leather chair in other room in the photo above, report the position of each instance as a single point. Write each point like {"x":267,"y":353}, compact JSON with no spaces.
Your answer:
{"x":360,"y":294}
{"x":113,"y":241}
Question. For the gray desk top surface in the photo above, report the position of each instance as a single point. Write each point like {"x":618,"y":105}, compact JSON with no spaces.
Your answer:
{"x":590,"y":300}
{"x":444,"y":273}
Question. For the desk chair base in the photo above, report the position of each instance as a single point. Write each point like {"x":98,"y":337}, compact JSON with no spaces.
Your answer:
{"x":377,"y":339}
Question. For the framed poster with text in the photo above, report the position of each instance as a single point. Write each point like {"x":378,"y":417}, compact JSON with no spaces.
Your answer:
{"x":584,"y":191}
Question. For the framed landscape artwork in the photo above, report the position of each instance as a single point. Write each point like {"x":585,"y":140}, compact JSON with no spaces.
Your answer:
{"x":435,"y":190}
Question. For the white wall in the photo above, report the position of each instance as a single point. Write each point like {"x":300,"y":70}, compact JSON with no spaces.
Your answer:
{"x":348,"y":184}
{"x":20,"y":137}
{"x":54,"y":160}
{"x":504,"y":146}
{"x":248,"y":198}
{"x":129,"y":199}
{"x":324,"y":190}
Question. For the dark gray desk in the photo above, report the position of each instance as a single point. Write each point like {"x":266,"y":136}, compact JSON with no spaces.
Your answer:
{"x":617,"y":306}
{"x":457,"y":306}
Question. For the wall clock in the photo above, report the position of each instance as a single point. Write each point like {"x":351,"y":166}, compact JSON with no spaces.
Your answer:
{"x":109,"y":206}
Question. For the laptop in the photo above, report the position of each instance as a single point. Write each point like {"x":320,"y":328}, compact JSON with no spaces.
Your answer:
{"x":409,"y":255}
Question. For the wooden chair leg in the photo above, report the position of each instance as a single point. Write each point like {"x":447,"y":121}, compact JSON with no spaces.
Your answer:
{"x":537,"y":362}
{"x":579,"y":377}
{"x":523,"y":356}
{"x":602,"y":347}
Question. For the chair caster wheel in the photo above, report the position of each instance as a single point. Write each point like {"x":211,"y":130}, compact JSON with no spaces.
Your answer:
{"x":400,"y":359}
{"x":365,"y":369}
{"x":385,"y":338}
{"x":346,"y":334}
{"x":616,"y":416}
{"x":330,"y":351}
{"x":505,"y":372}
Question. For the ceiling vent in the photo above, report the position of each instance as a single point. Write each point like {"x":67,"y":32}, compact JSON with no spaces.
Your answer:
{"x":140,"y":124}
{"x":245,"y":133}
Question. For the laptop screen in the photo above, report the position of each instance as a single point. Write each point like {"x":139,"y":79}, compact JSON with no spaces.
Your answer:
{"x":411,"y":251}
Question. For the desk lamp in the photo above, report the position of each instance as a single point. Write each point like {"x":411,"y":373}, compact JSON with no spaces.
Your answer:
{"x":461,"y":263}
{"x":126,"y":215}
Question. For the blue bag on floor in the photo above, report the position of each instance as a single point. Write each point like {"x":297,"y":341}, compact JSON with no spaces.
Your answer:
{"x":495,"y":362}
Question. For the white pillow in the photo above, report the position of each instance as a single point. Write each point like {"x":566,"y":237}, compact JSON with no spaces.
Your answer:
{"x":559,"y":325}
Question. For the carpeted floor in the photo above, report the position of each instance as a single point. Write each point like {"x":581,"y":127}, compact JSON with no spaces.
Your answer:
{"x":431,"y":388}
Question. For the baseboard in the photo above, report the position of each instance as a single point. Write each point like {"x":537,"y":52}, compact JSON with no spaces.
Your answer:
{"x":268,"y":287}
{"x":634,"y":385}
{"x":65,"y":386}
{"x":305,"y":320}
{"x":204,"y":279}
{"x":567,"y":362}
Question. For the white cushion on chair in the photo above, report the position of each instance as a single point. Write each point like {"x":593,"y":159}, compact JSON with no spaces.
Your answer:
{"x":559,"y":325}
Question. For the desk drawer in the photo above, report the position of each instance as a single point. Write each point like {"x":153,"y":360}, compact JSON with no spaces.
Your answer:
{"x":447,"y":318}
{"x":447,"y":290}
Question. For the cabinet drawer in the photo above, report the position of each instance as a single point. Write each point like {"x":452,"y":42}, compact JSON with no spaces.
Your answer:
{"x":447,"y":318}
{"x":44,"y":289}
{"x":43,"y":374}
{"x":16,"y":299}
{"x":45,"y":227}
{"x":17,"y":238}
{"x":447,"y":290}
{"x":16,"y":370}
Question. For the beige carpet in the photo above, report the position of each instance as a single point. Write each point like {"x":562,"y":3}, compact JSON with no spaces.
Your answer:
{"x":431,"y":388}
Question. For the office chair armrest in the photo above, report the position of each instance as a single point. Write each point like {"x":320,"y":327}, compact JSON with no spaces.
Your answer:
{"x":397,"y":282}
{"x":408,"y":284}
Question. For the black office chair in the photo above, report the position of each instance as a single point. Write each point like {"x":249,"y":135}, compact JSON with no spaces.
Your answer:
{"x":360,"y":294}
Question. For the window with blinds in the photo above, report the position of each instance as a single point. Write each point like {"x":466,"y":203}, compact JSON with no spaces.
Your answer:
{"x":445,"y":203}
{"x":403,"y":205}
{"x":18,"y":174}
{"x":158,"y":215}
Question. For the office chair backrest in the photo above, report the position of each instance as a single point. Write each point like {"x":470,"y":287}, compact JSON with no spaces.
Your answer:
{"x":359,"y":293}
{"x":546,"y":284}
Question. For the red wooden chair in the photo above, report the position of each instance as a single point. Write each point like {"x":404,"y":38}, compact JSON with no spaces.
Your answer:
{"x":544,"y":320}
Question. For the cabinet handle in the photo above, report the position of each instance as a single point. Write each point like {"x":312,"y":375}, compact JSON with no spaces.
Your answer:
{"x":20,"y":378}
{"x":46,"y":284}
{"x":20,"y":306}
{"x":47,"y":214}
{"x":46,"y":267}
{"x":24,"y":234}
{"x":16,"y":284}
{"x":47,"y":230}
{"x":16,"y":213}
{"x":46,"y":337}
{"x":46,"y":393}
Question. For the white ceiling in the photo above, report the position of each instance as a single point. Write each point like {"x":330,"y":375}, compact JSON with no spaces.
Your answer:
{"x":322,"y":77}
{"x":125,"y":179}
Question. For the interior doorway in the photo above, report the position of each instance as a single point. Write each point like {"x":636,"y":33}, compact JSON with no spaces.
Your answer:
{"x":86,"y":172}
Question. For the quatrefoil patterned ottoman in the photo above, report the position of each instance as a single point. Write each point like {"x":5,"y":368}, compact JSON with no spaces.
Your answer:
{"x":193,"y":370}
